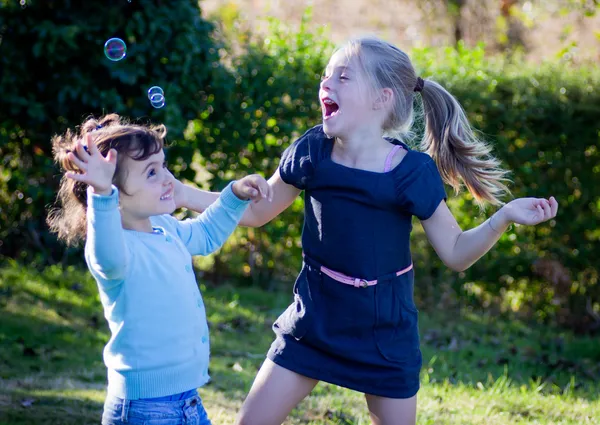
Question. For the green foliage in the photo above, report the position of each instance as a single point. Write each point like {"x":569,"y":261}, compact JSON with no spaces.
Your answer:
{"x":54,"y":74}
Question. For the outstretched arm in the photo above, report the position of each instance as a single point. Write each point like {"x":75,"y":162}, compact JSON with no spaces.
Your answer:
{"x":209,"y":231}
{"x":459,"y":249}
{"x":276,"y":198}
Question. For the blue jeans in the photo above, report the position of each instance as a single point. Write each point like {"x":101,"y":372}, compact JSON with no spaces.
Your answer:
{"x":148,"y":412}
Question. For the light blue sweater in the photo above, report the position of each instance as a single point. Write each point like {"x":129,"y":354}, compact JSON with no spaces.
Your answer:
{"x":159,"y":335}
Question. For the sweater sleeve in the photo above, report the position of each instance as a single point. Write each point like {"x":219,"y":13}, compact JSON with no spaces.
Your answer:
{"x":209,"y":231}
{"x":105,"y":251}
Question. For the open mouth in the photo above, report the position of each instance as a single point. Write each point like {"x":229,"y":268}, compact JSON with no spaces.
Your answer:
{"x":168,"y":195}
{"x":330,"y":108}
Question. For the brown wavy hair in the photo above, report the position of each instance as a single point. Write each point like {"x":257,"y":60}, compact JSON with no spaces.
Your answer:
{"x":461,"y":157}
{"x":67,"y":217}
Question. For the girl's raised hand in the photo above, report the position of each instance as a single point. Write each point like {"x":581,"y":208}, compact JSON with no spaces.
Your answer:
{"x":179,"y":196}
{"x":530,"y":211}
{"x":95,"y":169}
{"x":253,"y":187}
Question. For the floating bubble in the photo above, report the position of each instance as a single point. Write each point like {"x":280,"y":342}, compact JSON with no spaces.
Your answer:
{"x":157,"y":100}
{"x":115,"y":49}
{"x":155,"y":90}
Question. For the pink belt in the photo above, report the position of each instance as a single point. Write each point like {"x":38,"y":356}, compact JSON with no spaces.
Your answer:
{"x":355,"y":281}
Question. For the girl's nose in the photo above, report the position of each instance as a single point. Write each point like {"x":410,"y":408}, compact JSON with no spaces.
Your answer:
{"x":168,"y":177}
{"x":327,"y":81}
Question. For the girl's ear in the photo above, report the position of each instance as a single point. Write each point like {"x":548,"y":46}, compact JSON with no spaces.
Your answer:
{"x":385,"y":98}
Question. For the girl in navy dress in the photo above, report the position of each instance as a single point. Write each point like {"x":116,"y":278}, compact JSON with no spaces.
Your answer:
{"x":353,"y":321}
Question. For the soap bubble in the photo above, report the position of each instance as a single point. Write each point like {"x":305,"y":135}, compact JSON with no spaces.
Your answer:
{"x":157,"y":100}
{"x":115,"y":49}
{"x":155,"y":90}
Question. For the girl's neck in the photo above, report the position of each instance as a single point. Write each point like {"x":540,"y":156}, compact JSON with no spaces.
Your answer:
{"x":138,"y":224}
{"x":360,"y":145}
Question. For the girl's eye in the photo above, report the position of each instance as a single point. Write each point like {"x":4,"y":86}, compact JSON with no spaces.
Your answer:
{"x":343,"y":77}
{"x":165,"y":164}
{"x":151,"y":173}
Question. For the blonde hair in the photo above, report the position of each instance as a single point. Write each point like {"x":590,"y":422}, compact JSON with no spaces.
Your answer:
{"x":68,"y":218}
{"x":460,"y":155}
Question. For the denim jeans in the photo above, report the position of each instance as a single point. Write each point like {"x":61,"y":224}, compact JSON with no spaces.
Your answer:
{"x":147,"y":412}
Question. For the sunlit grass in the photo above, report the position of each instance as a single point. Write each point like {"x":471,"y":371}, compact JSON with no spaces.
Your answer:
{"x":477,"y":369}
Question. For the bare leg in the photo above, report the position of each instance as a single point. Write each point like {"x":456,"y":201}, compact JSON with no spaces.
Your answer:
{"x":274,"y":393}
{"x":392,"y":411}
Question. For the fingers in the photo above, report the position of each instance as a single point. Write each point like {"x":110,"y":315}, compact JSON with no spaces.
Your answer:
{"x":253,"y":187}
{"x":264,"y":188}
{"x":250,"y":192}
{"x":545,"y":204}
{"x":92,"y":147}
{"x":532,"y":211}
{"x":269,"y":192}
{"x":82,"y":153}
{"x":553,"y":206}
{"x":540,"y":212}
{"x":78,"y":162}
{"x":76,"y":176}
{"x":546,"y":208}
{"x":88,"y":147}
{"x":258,"y":188}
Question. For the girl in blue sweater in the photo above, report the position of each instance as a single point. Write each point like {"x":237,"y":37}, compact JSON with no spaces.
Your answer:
{"x":118,"y":195}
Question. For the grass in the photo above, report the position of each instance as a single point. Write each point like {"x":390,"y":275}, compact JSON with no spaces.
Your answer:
{"x":477,"y":370}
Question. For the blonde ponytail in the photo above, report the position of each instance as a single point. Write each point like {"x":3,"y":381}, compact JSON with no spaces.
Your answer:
{"x":457,"y":151}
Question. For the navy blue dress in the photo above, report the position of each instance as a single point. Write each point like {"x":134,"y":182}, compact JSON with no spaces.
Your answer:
{"x":358,"y":223}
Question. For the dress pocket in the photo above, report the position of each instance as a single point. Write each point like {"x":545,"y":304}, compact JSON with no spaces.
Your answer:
{"x":297,"y":318}
{"x":396,"y":330}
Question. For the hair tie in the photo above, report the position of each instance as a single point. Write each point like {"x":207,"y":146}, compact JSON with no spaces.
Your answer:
{"x":420,"y":84}
{"x":98,"y":127}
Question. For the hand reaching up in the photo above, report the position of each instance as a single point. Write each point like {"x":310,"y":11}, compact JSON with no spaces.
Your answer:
{"x":253,"y":187}
{"x":96,"y":170}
